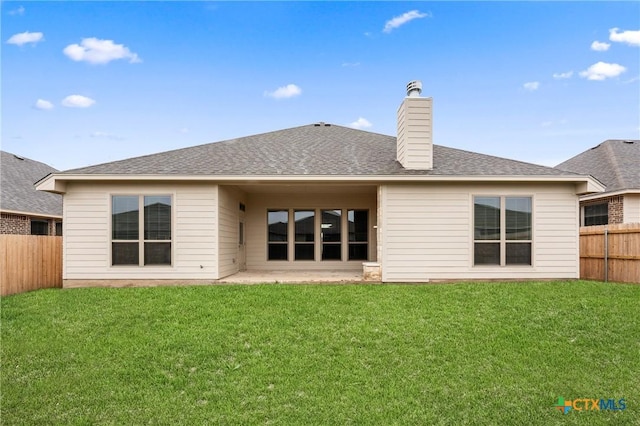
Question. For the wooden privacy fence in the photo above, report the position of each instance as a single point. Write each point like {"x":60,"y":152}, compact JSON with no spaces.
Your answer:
{"x":610,"y":253}
{"x":29,"y":262}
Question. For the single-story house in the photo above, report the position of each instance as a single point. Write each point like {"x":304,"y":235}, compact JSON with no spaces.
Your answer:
{"x":615,"y":163}
{"x":23,"y":210}
{"x":322,"y":197}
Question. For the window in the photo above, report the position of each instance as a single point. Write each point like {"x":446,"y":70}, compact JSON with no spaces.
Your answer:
{"x":331,"y":232}
{"x":316,"y":234}
{"x":502,"y":230}
{"x":58,"y":229}
{"x":157,"y":230}
{"x":39,"y":227}
{"x":596,"y":214}
{"x":358,"y":234}
{"x":518,"y":230}
{"x":305,"y":225}
{"x":487,"y":231}
{"x":150,"y":242}
{"x":278,"y":223}
{"x":124,"y":230}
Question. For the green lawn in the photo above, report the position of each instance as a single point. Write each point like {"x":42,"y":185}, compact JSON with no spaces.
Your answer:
{"x":484,"y":353}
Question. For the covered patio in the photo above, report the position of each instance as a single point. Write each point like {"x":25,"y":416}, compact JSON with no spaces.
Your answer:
{"x":330,"y":227}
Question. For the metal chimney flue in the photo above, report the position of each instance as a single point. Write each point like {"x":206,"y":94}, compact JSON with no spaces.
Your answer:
{"x":414,"y":88}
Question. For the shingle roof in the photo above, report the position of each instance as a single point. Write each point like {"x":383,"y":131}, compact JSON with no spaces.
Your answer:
{"x":17,"y":190}
{"x":615,"y":163}
{"x":315,"y":149}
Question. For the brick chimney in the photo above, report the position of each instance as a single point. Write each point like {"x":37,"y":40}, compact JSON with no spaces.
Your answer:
{"x":415,"y":130}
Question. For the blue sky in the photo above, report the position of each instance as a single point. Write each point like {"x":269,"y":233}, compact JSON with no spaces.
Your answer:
{"x":91,"y":82}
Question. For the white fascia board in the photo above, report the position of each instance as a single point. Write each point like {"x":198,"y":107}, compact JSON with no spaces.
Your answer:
{"x":56,"y":183}
{"x":609,"y":194}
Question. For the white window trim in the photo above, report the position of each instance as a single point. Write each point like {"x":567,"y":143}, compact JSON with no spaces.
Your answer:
{"x":141,"y":240}
{"x":344,"y":235}
{"x":503,"y":231}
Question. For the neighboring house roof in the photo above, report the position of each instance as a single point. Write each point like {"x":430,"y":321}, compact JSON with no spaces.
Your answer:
{"x":313,"y":150}
{"x":615,"y":163}
{"x":17,"y":191}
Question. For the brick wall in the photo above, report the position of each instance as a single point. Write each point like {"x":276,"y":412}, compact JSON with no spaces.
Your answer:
{"x":21,"y":225}
{"x":14,"y":224}
{"x":615,"y":209}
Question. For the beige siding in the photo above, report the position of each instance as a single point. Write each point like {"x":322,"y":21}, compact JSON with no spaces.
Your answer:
{"x":229,"y":208}
{"x":631,"y":208}
{"x":428,"y":232}
{"x":87,"y":227}
{"x":256,"y":226}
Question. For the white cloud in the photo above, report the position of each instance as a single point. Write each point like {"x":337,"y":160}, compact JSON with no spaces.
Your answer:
{"x":632,"y":38}
{"x":350,"y":64}
{"x":43,"y":104}
{"x":18,"y":11}
{"x":398,"y":21}
{"x":97,"y":51}
{"x":531,"y":86}
{"x":77,"y":101}
{"x":361,"y":123}
{"x":288,"y":91}
{"x":25,"y":37}
{"x":602,"y":70}
{"x":599,"y":46}
{"x":184,"y":130}
{"x":563,"y":75}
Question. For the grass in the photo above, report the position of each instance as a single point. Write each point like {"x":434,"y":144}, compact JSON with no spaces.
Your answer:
{"x":489,"y":353}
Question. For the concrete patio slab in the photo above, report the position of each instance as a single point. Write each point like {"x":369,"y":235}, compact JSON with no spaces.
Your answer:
{"x":245,"y":277}
{"x":302,"y":277}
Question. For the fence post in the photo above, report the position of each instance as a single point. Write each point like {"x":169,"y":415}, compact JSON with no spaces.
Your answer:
{"x":606,"y":254}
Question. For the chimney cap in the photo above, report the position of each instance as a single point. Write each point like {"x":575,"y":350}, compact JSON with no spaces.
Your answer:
{"x":414,"y":88}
